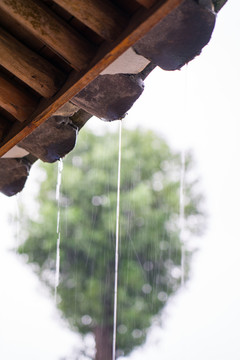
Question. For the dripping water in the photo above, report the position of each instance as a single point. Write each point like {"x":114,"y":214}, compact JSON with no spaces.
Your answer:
{"x":59,"y":179}
{"x":17,"y":236}
{"x":182,"y":185}
{"x":117,"y":243}
{"x":182,"y":216}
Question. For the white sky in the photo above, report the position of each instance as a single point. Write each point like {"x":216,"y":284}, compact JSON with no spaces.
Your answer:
{"x":195,"y":108}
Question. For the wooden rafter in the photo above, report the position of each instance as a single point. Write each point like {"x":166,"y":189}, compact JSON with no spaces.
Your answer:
{"x":140,"y":24}
{"x":28,"y":66}
{"x":100,"y":16}
{"x":16,"y":101}
{"x":47,"y":27}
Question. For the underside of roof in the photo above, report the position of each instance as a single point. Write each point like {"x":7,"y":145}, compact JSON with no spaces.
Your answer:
{"x":63,"y":61}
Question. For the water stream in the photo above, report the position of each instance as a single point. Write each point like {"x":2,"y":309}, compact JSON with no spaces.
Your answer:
{"x":182,"y":216}
{"x":59,"y":179}
{"x":182,"y":185}
{"x":117,"y":242}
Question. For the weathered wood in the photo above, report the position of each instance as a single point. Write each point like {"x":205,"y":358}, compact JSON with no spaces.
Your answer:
{"x":16,"y":101}
{"x":146,"y":3}
{"x":28,"y":66}
{"x":18,"y":31}
{"x":46,"y":26}
{"x":100,"y":16}
{"x":76,"y":82}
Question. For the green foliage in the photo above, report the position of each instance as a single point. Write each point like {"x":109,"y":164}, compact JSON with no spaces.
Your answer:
{"x":150,"y":248}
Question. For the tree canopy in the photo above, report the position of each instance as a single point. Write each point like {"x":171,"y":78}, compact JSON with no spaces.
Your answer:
{"x":150,"y":246}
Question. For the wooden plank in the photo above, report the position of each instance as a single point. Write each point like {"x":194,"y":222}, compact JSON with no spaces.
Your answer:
{"x":16,"y":101}
{"x":100,"y":16}
{"x":138,"y":28}
{"x":51,"y":30}
{"x":28,"y":66}
{"x":146,"y":3}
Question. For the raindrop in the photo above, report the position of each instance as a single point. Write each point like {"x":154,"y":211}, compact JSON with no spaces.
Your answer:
{"x":70,"y":283}
{"x":157,"y":186}
{"x":148,"y":265}
{"x":86,"y":319}
{"x":119,"y":353}
{"x":176,"y":273}
{"x":146,"y":289}
{"x":157,"y":181}
{"x":96,"y":200}
{"x":162,"y":296}
{"x":139,"y":305}
{"x":77,"y":161}
{"x":105,"y":200}
{"x":168,"y":264}
{"x":166,"y":165}
{"x":122,"y":329}
{"x":136,"y":334}
{"x":100,"y":200}
{"x":164,"y":245}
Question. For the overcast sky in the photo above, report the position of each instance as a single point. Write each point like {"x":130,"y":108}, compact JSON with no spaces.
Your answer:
{"x":197,"y":108}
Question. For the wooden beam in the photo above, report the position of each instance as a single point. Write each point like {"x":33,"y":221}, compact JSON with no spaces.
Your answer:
{"x":51,"y":30}
{"x":100,"y":16}
{"x":28,"y":66}
{"x":137,"y":29}
{"x":16,"y":101}
{"x":146,"y":3}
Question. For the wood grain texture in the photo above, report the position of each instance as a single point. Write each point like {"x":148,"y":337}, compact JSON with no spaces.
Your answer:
{"x":16,"y":30}
{"x":15,"y":101}
{"x":139,"y":27}
{"x":51,"y":30}
{"x":100,"y":16}
{"x":28,"y":66}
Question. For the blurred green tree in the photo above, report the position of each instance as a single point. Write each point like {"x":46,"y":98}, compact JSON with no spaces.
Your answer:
{"x":150,"y":248}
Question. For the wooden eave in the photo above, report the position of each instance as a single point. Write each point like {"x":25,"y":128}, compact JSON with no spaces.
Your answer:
{"x":50,"y":50}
